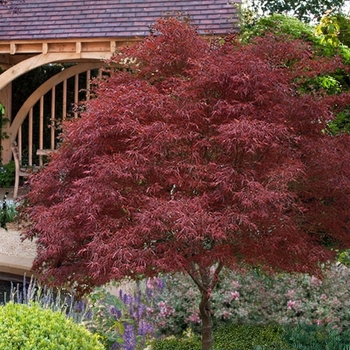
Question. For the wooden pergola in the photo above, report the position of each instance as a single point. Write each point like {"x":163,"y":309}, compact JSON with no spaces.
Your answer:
{"x":84,"y":34}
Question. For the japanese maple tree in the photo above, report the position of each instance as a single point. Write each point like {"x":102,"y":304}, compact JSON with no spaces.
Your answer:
{"x":197,"y":155}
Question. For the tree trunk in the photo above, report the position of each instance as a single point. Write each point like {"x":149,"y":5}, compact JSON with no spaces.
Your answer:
{"x":207,"y":323}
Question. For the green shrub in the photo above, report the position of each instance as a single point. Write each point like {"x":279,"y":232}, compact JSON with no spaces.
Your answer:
{"x":264,"y":337}
{"x":8,"y":213}
{"x":248,"y":337}
{"x":232,"y":337}
{"x":173,"y":343}
{"x":341,"y":123}
{"x":7,"y":174}
{"x":314,"y":337}
{"x":280,"y":24}
{"x":31,"y":327}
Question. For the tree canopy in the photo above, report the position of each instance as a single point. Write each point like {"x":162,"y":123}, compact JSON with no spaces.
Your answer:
{"x":195,"y":156}
{"x":335,"y":28}
{"x":305,"y":10}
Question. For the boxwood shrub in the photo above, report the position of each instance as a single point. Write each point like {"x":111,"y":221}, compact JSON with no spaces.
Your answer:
{"x":232,"y":337}
{"x":173,"y":343}
{"x":315,"y":337}
{"x":248,"y":337}
{"x":32,"y":327}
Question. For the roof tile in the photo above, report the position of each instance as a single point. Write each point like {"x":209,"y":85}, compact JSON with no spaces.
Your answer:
{"x":45,"y":19}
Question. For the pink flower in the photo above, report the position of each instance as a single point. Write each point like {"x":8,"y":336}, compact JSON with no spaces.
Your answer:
{"x":315,"y":281}
{"x":323,"y":297}
{"x":149,"y":310}
{"x":235,"y":295}
{"x":165,"y":309}
{"x":194,"y":318}
{"x":230,"y":296}
{"x":291,"y":304}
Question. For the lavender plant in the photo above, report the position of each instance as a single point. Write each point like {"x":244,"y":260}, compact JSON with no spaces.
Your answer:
{"x":139,"y":308}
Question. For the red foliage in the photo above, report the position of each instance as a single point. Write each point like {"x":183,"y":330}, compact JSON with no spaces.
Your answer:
{"x":200,"y":154}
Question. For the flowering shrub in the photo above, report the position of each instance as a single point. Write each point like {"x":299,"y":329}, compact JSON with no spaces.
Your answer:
{"x":256,"y":298}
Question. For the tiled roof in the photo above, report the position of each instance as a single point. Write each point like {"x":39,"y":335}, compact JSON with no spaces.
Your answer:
{"x":57,"y":19}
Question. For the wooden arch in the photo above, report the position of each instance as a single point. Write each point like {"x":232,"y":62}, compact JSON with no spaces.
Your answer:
{"x":84,"y":61}
{"x":35,"y":97}
{"x":39,"y":60}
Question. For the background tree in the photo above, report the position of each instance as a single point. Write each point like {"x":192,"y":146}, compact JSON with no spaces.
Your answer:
{"x":305,"y":10}
{"x":197,"y":156}
{"x":335,"y":29}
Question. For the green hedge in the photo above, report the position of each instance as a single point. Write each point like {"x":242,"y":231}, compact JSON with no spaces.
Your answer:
{"x":264,"y":337}
{"x":31,"y":327}
{"x":233,"y":337}
{"x":247,"y":337}
{"x":173,"y":343}
{"x":313,"y":337}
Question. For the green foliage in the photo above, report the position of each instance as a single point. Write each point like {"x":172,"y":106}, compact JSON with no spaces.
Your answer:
{"x":279,"y":24}
{"x":329,"y":30}
{"x":7,"y":174}
{"x":8,"y":213}
{"x":329,"y":84}
{"x":314,"y":337}
{"x":3,"y":122}
{"x":31,"y":327}
{"x":344,"y":258}
{"x":173,"y":343}
{"x":103,"y":306}
{"x":232,"y":337}
{"x":334,"y":29}
{"x":303,"y":10}
{"x":264,"y":337}
{"x":97,"y":313}
{"x":341,"y":123}
{"x":291,"y":26}
{"x":247,"y":337}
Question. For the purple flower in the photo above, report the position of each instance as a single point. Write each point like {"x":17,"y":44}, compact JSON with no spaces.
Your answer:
{"x":129,"y":337}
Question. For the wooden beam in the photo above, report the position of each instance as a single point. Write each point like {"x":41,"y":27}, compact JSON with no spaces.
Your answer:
{"x":41,"y":127}
{"x":69,"y":45}
{"x":13,"y":48}
{"x":76,"y":93}
{"x":53,"y":117}
{"x":78,"y":47}
{"x":45,"y":48}
{"x":42,"y":59}
{"x":30,"y":137}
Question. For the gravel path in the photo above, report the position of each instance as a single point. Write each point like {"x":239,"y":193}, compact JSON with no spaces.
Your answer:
{"x":12,"y":245}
